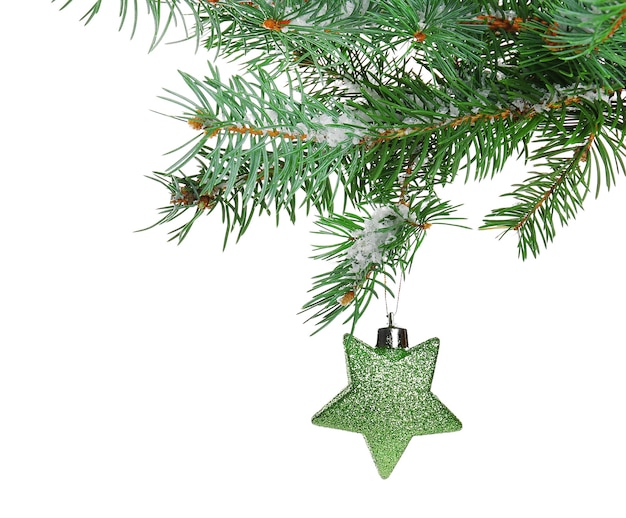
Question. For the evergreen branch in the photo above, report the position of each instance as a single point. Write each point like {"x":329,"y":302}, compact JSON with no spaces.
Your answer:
{"x":383,"y":102}
{"x":241,"y":183}
{"x":433,"y":152}
{"x":553,"y":189}
{"x":254,"y":131}
{"x":384,"y":243}
{"x":560,"y":193}
{"x":543,"y":196}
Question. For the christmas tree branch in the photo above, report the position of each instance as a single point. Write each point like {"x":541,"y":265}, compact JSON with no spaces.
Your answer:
{"x":560,"y":193}
{"x":384,"y":103}
{"x":263,"y":145}
{"x":383,"y":244}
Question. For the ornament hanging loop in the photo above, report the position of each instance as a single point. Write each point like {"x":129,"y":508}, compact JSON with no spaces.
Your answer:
{"x":392,"y":337}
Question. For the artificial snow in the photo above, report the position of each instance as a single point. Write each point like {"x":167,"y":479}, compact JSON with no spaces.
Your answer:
{"x":334,"y":132}
{"x":379,"y":230}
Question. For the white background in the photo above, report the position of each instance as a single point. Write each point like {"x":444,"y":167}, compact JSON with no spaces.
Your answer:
{"x":143,"y":379}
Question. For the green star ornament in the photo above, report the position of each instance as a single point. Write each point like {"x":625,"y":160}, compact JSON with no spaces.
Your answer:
{"x":388,"y":399}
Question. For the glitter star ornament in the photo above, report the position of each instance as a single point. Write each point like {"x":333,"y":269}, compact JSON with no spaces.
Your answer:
{"x":388,"y":397}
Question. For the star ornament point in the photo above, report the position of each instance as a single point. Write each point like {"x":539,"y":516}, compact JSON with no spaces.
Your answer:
{"x":388,"y":399}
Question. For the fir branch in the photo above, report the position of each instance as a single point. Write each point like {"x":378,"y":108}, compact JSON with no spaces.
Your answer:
{"x":384,"y":102}
{"x":255,"y":130}
{"x":541,"y":198}
{"x":559,"y":194}
{"x":384,"y":243}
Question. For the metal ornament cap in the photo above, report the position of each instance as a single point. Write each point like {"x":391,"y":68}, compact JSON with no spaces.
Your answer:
{"x":392,"y":337}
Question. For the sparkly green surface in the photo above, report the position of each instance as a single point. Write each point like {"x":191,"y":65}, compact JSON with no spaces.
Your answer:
{"x":388,"y":399}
